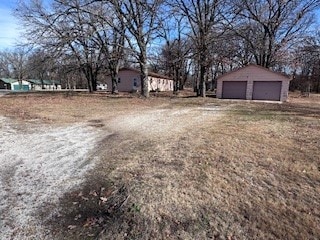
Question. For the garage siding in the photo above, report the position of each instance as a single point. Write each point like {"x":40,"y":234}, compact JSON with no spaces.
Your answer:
{"x":252,"y":74}
{"x":266,"y":90}
{"x":234,"y":89}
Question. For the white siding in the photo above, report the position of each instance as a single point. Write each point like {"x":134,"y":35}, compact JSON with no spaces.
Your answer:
{"x":126,"y":81}
{"x":160,"y":84}
{"x":38,"y":87}
{"x":127,"y":78}
{"x":23,"y":83}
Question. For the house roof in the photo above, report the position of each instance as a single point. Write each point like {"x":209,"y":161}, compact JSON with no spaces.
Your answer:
{"x":45,"y":81}
{"x":151,"y":74}
{"x":33,"y":81}
{"x":257,"y":66}
{"x":8,"y":80}
{"x":38,"y":81}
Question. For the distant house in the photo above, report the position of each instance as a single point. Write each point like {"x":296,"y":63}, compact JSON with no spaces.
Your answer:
{"x":102,"y":86}
{"x":253,"y":83}
{"x":129,"y":79}
{"x":30,"y":84}
{"x":37,"y":84}
{"x":5,"y":83}
{"x":14,"y":84}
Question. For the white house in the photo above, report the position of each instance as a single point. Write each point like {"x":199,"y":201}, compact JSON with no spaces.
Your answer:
{"x":129,"y":79}
{"x":14,"y":84}
{"x":37,"y":84}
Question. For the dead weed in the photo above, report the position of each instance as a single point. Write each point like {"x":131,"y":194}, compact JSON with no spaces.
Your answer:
{"x":254,"y":173}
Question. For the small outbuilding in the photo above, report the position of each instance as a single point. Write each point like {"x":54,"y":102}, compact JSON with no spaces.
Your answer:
{"x":129,"y":79}
{"x":14,"y":84}
{"x":253,"y":82}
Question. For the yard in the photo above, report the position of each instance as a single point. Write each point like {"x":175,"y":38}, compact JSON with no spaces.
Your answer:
{"x":81,"y":166}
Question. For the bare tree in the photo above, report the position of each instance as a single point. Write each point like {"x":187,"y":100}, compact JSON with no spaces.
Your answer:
{"x":108,"y":34}
{"x":269,"y":26}
{"x":203,"y":17}
{"x":176,"y":51}
{"x":307,"y":69}
{"x":69,"y":29}
{"x":16,"y":63}
{"x":40,"y":65}
{"x":4,"y":64}
{"x":140,"y":17}
{"x":112,"y":42}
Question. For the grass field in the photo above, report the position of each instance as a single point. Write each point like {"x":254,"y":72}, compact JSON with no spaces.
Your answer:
{"x":187,"y":168}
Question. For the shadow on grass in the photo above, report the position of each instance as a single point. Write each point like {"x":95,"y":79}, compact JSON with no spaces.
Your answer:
{"x":108,"y":212}
{"x":85,"y":212}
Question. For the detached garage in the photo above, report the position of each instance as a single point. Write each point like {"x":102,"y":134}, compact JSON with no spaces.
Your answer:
{"x":253,"y":83}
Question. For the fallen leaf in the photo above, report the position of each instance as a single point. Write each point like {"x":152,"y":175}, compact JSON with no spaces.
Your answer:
{"x":70,"y":227}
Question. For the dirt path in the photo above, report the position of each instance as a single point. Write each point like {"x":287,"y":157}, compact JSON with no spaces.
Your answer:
{"x":165,"y":121}
{"x":38,"y":164}
{"x":172,"y":168}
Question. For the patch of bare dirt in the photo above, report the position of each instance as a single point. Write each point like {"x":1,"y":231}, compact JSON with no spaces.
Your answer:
{"x":38,"y":164}
{"x":189,"y":168}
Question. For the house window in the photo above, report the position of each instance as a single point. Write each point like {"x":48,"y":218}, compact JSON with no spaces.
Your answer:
{"x":159,"y":81}
{"x":135,"y":83}
{"x":119,"y":80}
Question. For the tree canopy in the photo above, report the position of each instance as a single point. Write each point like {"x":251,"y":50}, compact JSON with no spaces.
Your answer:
{"x":186,"y":39}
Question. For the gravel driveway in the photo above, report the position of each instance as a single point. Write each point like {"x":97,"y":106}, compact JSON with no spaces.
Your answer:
{"x":38,"y":163}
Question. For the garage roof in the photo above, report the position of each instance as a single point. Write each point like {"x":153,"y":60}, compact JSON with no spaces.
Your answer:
{"x":283,"y":76}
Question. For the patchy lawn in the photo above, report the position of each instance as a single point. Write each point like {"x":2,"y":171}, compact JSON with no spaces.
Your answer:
{"x":185,"y":168}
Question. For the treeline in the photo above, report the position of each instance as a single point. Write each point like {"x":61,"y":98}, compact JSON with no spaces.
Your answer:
{"x":185,"y":39}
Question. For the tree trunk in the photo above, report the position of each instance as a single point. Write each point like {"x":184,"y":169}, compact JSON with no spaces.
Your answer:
{"x":318,"y":78}
{"x":114,"y":70}
{"x":86,"y":71}
{"x":94,"y":80}
{"x":176,"y":80}
{"x":202,"y":82}
{"x":89,"y":85}
{"x":114,"y":82}
{"x":42,"y":83}
{"x":91,"y":78}
{"x":144,"y":79}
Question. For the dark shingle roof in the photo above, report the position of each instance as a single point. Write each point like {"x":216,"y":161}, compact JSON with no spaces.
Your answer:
{"x":45,"y":82}
{"x":8,"y":80}
{"x":33,"y":81}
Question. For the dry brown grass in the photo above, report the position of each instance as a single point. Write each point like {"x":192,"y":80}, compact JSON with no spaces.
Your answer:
{"x":201,"y":169}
